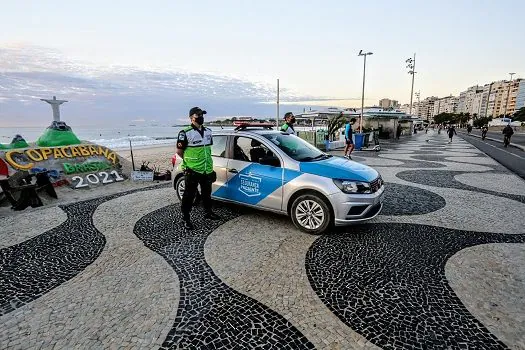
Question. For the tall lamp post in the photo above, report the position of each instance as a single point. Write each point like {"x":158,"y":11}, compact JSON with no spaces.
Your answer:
{"x":361,"y":53}
{"x":418,"y":94}
{"x":508,"y":95}
{"x":277,"y":118}
{"x":412,"y":70}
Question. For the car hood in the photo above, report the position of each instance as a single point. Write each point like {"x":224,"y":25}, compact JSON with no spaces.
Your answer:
{"x":340,"y":168}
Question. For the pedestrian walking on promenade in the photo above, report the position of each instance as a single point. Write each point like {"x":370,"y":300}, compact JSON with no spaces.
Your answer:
{"x":451,"y":132}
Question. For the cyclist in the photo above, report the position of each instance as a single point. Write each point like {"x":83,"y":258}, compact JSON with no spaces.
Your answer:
{"x":507,"y":132}
{"x":484,"y":130}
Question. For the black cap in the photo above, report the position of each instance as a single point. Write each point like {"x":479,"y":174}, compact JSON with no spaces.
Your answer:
{"x":288,"y":114}
{"x":196,"y":110}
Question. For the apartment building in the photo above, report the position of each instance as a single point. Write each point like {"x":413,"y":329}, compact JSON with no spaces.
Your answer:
{"x":425,"y":108}
{"x":520,"y":96}
{"x":386,"y":103}
{"x":447,"y":104}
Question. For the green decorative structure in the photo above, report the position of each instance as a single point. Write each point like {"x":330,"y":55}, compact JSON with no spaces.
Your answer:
{"x":58,"y":134}
{"x":18,"y":142}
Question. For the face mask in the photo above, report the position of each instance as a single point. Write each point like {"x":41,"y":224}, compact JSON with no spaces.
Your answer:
{"x":292,"y":120}
{"x":199,"y":120}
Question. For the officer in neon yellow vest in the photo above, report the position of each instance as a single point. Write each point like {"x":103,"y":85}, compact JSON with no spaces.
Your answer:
{"x":287,"y":127}
{"x":194,"y":147}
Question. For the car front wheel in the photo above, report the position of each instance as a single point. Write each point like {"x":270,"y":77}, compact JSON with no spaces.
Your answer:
{"x":311,"y":214}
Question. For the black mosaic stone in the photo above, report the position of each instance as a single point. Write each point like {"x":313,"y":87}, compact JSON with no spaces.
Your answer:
{"x":442,"y":158}
{"x":32,"y":268}
{"x":446,"y":179}
{"x":408,"y":200}
{"x":387,"y":282}
{"x":426,"y":152}
{"x":210,"y":314}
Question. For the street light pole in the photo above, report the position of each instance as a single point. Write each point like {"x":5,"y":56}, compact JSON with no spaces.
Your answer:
{"x":508,"y":95}
{"x":277,"y":118}
{"x":418,"y":94}
{"x":363,"y":93}
{"x":412,"y":66}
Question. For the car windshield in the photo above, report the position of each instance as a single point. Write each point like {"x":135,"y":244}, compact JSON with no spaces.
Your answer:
{"x":295,"y":147}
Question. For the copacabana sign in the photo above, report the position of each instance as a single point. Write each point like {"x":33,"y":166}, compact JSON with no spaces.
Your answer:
{"x":81,"y":165}
{"x":23,"y":159}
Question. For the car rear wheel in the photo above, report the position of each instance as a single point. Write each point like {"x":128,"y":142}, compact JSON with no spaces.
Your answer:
{"x":179,"y":189}
{"x":311,"y":214}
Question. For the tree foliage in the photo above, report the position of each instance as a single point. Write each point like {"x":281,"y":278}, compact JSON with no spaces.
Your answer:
{"x":479,"y":122}
{"x":519,"y":115}
{"x":334,"y":124}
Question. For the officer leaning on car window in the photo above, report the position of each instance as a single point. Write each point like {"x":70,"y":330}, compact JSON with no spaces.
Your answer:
{"x":194,"y":147}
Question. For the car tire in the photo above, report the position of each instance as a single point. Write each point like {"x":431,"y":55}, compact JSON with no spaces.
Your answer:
{"x":179,"y":190}
{"x":311,"y":214}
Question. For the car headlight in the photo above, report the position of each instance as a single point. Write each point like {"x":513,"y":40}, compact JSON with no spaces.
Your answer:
{"x":353,"y":186}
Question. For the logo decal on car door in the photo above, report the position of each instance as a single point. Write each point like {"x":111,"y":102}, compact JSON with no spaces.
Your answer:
{"x":250,"y":185}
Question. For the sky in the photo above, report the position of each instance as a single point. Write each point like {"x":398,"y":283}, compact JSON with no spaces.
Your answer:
{"x":239,"y":48}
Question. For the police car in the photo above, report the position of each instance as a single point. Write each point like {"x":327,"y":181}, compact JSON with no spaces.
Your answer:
{"x":267,"y":169}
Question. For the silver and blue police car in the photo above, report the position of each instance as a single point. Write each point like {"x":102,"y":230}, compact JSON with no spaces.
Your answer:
{"x":271,"y":170}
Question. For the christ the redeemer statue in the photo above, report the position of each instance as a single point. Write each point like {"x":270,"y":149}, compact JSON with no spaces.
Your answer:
{"x":55,"y":104}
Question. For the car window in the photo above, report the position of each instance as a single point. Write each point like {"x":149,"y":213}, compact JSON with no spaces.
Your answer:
{"x":249,"y":150}
{"x":296,"y":147}
{"x":218,"y":149}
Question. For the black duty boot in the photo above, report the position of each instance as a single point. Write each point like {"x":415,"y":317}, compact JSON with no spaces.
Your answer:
{"x":187,"y":224}
{"x":212,"y":216}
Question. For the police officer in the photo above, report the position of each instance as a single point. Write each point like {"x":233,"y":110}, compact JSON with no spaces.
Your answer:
{"x":287,"y":127}
{"x":194,"y":147}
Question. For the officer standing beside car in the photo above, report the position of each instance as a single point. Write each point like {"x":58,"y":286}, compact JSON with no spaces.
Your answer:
{"x":287,"y":127}
{"x":194,"y":147}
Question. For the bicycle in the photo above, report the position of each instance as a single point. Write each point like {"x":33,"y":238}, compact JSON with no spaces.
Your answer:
{"x":506,"y":140}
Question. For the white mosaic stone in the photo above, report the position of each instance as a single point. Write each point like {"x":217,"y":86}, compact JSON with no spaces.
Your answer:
{"x":465,"y":210}
{"x":266,"y":261}
{"x":17,"y":228}
{"x":127,"y":293}
{"x":490,"y":280}
{"x":505,"y":183}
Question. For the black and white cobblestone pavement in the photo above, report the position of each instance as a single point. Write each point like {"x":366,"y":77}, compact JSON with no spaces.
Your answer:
{"x":442,"y":267}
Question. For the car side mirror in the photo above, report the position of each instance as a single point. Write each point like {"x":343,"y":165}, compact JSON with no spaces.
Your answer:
{"x":270,"y":160}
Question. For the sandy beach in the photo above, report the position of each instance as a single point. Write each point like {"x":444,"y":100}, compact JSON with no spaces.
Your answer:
{"x":157,"y":156}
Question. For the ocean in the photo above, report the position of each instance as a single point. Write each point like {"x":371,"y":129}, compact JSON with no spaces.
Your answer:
{"x":116,"y":138}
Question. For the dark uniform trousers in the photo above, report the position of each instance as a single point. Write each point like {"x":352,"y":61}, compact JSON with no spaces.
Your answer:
{"x":191,"y":180}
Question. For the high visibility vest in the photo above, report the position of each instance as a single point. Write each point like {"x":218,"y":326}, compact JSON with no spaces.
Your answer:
{"x":197,"y":154}
{"x":288,"y":129}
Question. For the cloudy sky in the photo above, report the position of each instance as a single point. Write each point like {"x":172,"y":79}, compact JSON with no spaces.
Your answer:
{"x":133,"y":60}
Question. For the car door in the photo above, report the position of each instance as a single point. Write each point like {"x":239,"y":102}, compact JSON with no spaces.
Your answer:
{"x":249,"y":181}
{"x":220,"y":161}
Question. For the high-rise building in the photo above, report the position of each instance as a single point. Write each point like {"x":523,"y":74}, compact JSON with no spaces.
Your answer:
{"x":511,"y":96}
{"x":447,"y":104}
{"x":405,"y":108}
{"x":485,"y":94}
{"x":520,"y":96}
{"x":425,"y":108}
{"x":466,"y":99}
{"x":386,"y":103}
{"x":502,"y":99}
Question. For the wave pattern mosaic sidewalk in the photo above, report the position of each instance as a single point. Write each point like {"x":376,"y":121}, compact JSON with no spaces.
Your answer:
{"x":441,"y":267}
